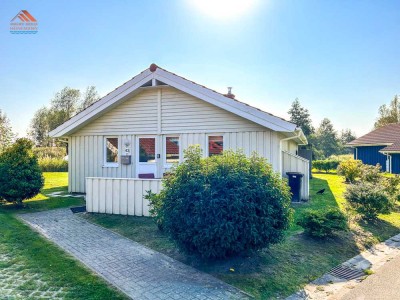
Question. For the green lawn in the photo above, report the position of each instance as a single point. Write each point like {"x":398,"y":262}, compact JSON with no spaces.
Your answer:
{"x":37,"y":257}
{"x":284,"y":268}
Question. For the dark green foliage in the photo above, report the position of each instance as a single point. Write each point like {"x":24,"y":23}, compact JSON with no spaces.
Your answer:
{"x":369,"y":199}
{"x":323,"y":223}
{"x":301,"y":117}
{"x":20,"y":175}
{"x":223,"y":205}
{"x":325,"y":165}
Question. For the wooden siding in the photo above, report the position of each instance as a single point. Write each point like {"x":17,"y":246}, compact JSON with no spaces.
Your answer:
{"x":181,"y":112}
{"x":138,"y":114}
{"x":395,"y":163}
{"x":370,"y":155}
{"x":294,"y":163}
{"x":121,"y":196}
{"x":87,"y":153}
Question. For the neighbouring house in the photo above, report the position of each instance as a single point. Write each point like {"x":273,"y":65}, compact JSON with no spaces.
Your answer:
{"x":121,"y":146}
{"x":380,"y":146}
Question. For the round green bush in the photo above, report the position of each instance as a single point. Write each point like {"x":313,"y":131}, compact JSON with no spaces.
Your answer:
{"x":20,"y":175}
{"x":369,"y":199}
{"x":222,"y":205}
{"x":323,"y":223}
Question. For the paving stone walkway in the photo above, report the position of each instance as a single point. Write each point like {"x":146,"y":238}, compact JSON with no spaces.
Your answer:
{"x":138,"y":271}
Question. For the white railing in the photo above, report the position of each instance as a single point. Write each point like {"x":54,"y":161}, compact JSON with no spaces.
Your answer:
{"x":121,"y":196}
{"x":295,"y":163}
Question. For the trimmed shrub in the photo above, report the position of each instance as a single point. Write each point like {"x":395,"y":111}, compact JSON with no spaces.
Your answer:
{"x":323,"y":223}
{"x":350,"y":169}
{"x":325,"y":165}
{"x":20,"y":175}
{"x":369,"y":199}
{"x":53,"y":164}
{"x":222,"y":205}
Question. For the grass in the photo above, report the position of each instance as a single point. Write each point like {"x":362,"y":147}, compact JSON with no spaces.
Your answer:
{"x":283,"y":268}
{"x":37,"y":255}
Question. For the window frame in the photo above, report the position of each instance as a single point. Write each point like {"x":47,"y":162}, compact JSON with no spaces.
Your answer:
{"x":166,"y":164}
{"x":207,"y":141}
{"x":111,"y":164}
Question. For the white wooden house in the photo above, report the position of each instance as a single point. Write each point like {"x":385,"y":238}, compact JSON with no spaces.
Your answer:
{"x":121,"y":146}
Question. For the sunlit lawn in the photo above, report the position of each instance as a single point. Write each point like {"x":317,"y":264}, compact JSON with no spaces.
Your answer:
{"x":26,"y":247}
{"x":284,"y":268}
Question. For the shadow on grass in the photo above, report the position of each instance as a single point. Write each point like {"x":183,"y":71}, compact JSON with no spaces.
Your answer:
{"x":380,"y":229}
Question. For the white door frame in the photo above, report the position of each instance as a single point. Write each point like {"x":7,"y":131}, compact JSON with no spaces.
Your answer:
{"x":155,"y":163}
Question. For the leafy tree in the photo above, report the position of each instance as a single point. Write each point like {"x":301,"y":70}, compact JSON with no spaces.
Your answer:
{"x":39,"y":128}
{"x":389,"y":114}
{"x":20,"y":175}
{"x":65,"y":104}
{"x":222,"y":205}
{"x":326,"y":139}
{"x":90,"y":97}
{"x":301,"y":117}
{"x":6,"y":133}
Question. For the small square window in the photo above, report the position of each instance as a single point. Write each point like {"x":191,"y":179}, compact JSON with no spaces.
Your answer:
{"x":111,"y":150}
{"x":172,"y":149}
{"x":215,"y":145}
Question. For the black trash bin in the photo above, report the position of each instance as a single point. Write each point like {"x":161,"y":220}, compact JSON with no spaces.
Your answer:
{"x":295,"y":179}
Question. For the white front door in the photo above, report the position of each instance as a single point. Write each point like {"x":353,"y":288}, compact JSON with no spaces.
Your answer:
{"x":146,"y":157}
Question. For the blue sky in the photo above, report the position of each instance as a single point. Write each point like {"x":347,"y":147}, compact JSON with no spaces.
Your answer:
{"x":340,"y":58}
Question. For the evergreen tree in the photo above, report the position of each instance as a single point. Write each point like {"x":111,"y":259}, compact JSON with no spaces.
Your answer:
{"x":301,"y":117}
{"x":325,"y":139}
{"x":20,"y":174}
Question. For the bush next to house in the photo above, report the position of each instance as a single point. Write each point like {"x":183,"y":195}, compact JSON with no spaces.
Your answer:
{"x":20,"y":175}
{"x":369,"y":199}
{"x":325,"y":165}
{"x":323,"y":223}
{"x":223,"y":205}
{"x":350,"y":169}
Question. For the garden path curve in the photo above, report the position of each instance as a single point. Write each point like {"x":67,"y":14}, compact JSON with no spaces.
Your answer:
{"x":136,"y":270}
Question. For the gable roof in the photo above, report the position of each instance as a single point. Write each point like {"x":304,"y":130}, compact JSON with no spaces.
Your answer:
{"x":388,"y":135}
{"x":157,"y":75}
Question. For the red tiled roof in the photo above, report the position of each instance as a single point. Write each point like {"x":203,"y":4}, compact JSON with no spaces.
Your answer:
{"x":385,"y":135}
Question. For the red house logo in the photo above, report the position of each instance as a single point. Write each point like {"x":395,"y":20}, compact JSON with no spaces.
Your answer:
{"x":23,"y":23}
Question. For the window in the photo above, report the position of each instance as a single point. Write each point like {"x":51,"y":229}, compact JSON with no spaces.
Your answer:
{"x":172,"y":149}
{"x":111,"y":151}
{"x":147,"y":149}
{"x":215,"y":145}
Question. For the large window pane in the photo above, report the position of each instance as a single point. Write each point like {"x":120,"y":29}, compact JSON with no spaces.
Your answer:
{"x":111,"y":150}
{"x":147,"y":149}
{"x":215,"y":145}
{"x":172,"y":149}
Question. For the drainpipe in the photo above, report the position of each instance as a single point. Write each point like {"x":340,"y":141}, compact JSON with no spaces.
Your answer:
{"x":280,"y":150}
